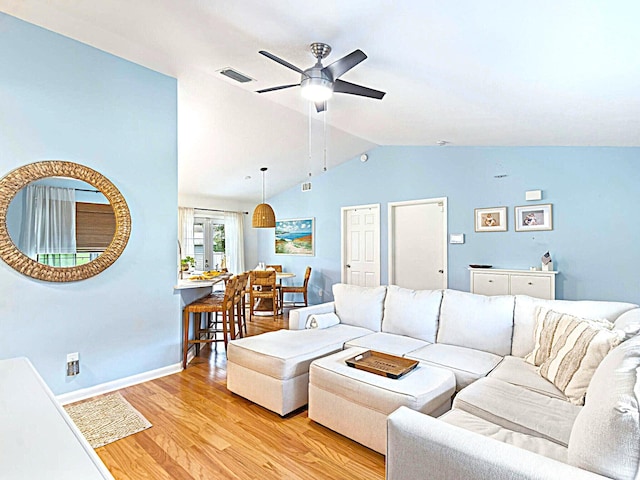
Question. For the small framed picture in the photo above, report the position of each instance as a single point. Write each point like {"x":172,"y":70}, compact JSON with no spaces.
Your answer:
{"x":491,"y":219}
{"x":534,"y":217}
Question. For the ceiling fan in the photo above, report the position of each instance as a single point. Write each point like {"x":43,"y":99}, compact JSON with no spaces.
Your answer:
{"x":318,"y":83}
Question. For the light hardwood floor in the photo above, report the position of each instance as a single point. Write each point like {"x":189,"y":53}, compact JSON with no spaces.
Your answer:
{"x":203,"y":431}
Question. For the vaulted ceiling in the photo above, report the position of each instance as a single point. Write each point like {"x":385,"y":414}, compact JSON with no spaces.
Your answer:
{"x":468,"y":72}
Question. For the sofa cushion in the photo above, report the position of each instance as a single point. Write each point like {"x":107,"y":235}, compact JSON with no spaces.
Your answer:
{"x":578,"y":348}
{"x":519,"y":409}
{"x":535,"y":444}
{"x":516,"y":371}
{"x":387,"y":343}
{"x":412,"y":313}
{"x":466,"y":364}
{"x":477,"y":321}
{"x":359,"y":306}
{"x":606,"y":434}
{"x":525,"y":319}
{"x":285,"y":354}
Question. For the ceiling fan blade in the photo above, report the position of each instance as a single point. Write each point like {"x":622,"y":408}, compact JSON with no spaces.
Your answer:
{"x":345,"y":63}
{"x":280,"y":61}
{"x":321,"y":106}
{"x":277,"y":88}
{"x":340,"y":86}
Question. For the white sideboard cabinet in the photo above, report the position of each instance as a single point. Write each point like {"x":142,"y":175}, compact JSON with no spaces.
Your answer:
{"x":540,"y":284}
{"x":37,"y":438}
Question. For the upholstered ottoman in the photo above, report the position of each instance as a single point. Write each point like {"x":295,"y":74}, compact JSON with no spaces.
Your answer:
{"x":272,"y":369}
{"x":355,"y":403}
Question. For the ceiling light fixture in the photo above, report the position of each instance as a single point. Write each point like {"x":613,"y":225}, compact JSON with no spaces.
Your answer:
{"x":263,"y":215}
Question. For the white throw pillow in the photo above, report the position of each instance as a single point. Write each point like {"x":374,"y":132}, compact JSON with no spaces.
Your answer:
{"x":359,"y":306}
{"x":477,"y":321}
{"x":413,"y":313}
{"x":605,"y":437}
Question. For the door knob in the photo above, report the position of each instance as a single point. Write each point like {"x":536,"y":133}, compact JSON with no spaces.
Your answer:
{"x":440,"y":271}
{"x":348,"y":266}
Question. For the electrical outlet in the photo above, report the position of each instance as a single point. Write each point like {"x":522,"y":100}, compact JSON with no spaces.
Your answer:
{"x":320,"y":293}
{"x":73,"y":364}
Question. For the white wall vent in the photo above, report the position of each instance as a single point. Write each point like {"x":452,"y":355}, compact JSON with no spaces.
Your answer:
{"x":235,"y":75}
{"x":306,"y":186}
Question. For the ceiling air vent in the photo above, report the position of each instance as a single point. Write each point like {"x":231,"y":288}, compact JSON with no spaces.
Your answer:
{"x":235,"y":75}
{"x":306,"y":186}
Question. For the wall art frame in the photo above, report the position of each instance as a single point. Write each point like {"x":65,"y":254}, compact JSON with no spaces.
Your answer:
{"x":295,"y":236}
{"x":491,"y":219}
{"x":534,"y":217}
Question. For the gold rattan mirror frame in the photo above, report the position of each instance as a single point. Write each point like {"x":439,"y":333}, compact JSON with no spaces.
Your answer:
{"x":14,"y":181}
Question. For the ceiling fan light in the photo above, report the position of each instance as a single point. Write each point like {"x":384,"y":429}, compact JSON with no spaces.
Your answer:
{"x":316,"y":89}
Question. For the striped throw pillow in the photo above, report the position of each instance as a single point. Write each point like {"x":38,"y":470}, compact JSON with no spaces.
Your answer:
{"x":577,"y":349}
{"x":546,"y":323}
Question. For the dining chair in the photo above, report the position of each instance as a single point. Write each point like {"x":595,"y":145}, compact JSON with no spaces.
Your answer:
{"x":263,"y":288}
{"x":303,"y":289}
{"x":240,"y":302}
{"x":277,"y":268}
{"x":211,"y":306}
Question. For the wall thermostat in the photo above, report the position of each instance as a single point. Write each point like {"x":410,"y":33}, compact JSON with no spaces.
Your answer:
{"x":456,"y":238}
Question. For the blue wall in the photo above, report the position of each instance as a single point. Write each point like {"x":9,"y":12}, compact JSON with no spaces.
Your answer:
{"x":593,"y":192}
{"x":63,"y":100}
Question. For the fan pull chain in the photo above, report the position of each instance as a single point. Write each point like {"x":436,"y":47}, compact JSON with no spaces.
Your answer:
{"x":309,"y":116}
{"x":324,"y":116}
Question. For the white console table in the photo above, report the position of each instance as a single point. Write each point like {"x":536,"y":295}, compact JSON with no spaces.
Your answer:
{"x":37,"y":437}
{"x":536,"y":283}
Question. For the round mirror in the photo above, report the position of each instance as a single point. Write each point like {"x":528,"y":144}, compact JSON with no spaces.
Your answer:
{"x":61,"y":221}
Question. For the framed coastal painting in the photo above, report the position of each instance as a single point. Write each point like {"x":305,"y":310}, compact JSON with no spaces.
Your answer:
{"x":491,"y":219}
{"x":534,"y":217}
{"x":295,"y":236}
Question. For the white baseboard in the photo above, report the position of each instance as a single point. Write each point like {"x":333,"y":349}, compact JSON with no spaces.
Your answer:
{"x":107,"y":387}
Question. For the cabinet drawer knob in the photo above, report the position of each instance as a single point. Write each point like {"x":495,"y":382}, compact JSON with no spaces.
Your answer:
{"x":530,"y":283}
{"x":490,"y":281}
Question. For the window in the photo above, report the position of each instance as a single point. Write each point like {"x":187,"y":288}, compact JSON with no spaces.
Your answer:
{"x":209,"y":243}
{"x":95,"y":228}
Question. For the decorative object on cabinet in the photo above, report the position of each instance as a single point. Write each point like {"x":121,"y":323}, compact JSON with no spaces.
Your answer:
{"x":12,"y":184}
{"x":295,"y":237}
{"x":534,"y":217}
{"x":547,"y":263}
{"x":492,"y":219}
{"x":537,"y":283}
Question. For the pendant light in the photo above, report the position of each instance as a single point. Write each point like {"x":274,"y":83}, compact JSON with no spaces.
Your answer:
{"x":263,"y":216}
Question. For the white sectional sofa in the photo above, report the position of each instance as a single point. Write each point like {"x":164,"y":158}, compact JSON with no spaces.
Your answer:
{"x":506,"y":421}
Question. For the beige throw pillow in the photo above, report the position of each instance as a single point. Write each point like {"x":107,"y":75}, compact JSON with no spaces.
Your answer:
{"x":546,"y":323}
{"x":578,"y":347}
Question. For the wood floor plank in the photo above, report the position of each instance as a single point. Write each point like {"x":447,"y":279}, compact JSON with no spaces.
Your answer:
{"x":202,"y":431}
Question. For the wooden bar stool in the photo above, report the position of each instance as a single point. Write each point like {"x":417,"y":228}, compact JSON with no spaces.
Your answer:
{"x":211,"y":306}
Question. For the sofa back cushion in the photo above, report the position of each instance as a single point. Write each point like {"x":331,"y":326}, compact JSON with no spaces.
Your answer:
{"x":359,"y":306}
{"x":524,"y":316}
{"x":413,"y":313}
{"x":605,"y":438}
{"x":476,"y":321}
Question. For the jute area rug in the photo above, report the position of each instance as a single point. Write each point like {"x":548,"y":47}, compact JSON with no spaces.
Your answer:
{"x":106,"y":419}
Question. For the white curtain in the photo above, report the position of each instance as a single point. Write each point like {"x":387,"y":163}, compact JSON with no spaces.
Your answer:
{"x":185,"y":232}
{"x":234,"y":241}
{"x":49,"y":221}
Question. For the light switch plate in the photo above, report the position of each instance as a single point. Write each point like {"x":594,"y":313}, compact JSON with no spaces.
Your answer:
{"x":456,"y":238}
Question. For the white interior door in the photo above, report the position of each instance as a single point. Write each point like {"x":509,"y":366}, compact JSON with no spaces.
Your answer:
{"x":418,"y":244}
{"x":361,"y":245}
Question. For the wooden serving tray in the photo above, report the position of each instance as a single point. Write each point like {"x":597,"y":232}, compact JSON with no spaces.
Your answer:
{"x":382,"y":364}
